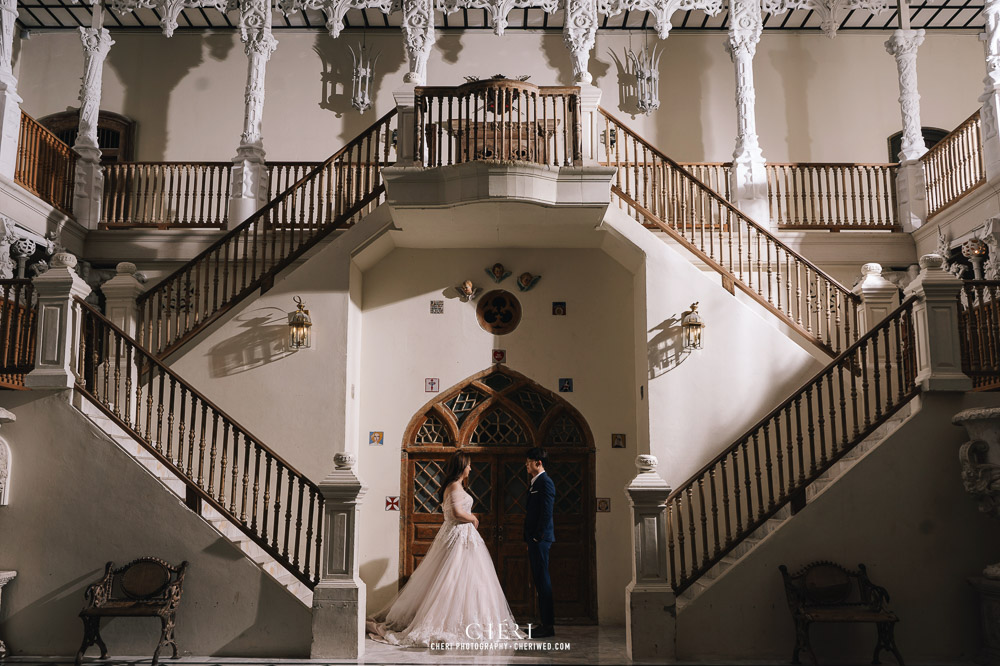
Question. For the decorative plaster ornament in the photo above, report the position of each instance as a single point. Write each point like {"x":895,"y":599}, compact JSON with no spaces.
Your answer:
{"x":361,"y":78}
{"x":991,"y":235}
{"x":975,"y":251}
{"x":830,"y":12}
{"x":944,"y":247}
{"x":527,"y":281}
{"x":334,"y":10}
{"x":170,"y":9}
{"x":392,"y":503}
{"x":903,"y":47}
{"x":467,"y":291}
{"x":437,"y":307}
{"x":499,"y":312}
{"x":498,"y":273}
{"x":603,"y":505}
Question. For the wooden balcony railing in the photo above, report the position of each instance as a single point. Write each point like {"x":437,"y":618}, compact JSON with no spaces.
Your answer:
{"x":832,"y":196}
{"x":282,"y":175}
{"x":979,"y":331}
{"x":45,"y":165}
{"x":217,"y":458}
{"x":773,"y":462}
{"x":166,"y":195}
{"x":18,"y":313}
{"x":332,"y":196}
{"x":498,"y":120}
{"x":954,"y":167}
{"x":657,"y":191}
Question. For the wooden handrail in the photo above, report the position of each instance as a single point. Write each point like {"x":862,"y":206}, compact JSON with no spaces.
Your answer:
{"x":450,"y":128}
{"x":248,"y":257}
{"x":773,"y":462}
{"x":45,"y":165}
{"x":802,"y":294}
{"x":954,"y":167}
{"x":166,"y":195}
{"x":18,"y":320}
{"x":113,"y":369}
{"x":979,"y":331}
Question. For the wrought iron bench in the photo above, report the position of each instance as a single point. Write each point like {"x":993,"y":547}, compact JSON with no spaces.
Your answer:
{"x":827,"y":592}
{"x":146,"y":587}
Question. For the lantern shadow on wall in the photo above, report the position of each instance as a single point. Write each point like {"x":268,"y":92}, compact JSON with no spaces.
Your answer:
{"x":665,"y":350}
{"x":263,"y":341}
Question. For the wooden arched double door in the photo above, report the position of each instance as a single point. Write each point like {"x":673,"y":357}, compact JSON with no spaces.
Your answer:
{"x":495,"y":416}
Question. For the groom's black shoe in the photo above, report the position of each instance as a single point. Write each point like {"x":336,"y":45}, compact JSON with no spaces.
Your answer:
{"x":543,"y":632}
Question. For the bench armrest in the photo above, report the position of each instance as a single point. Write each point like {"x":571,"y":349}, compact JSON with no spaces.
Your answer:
{"x":98,"y":593}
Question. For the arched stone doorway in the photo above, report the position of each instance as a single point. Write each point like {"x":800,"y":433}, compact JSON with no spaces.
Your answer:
{"x":494,"y":416}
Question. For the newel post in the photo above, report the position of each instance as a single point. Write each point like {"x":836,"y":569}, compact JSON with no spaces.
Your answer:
{"x":588,"y":118}
{"x":58,"y":325}
{"x":120,"y":293}
{"x":339,"y":599}
{"x":405,"y":122}
{"x":935,"y":320}
{"x":879,"y":297}
{"x":650,"y":605}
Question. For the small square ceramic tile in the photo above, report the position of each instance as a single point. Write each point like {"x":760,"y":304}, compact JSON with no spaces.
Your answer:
{"x":432,"y":385}
{"x":603,"y":505}
{"x":559,"y":308}
{"x":437,"y":307}
{"x":618,"y":440}
{"x":565,"y":385}
{"x":499,"y":355}
{"x":392,"y":503}
{"x":376,"y":438}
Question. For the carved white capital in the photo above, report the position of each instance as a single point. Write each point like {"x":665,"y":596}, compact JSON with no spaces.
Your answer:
{"x":903,"y":47}
{"x":169,"y":10}
{"x":662,"y":10}
{"x":419,"y":36}
{"x":8,"y":17}
{"x":579,"y":30}
{"x":334,"y":10}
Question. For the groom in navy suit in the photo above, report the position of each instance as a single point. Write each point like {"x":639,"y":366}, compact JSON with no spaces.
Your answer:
{"x":539,"y":534}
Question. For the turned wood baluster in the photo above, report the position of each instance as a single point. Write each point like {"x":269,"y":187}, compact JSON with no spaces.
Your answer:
{"x":680,"y":539}
{"x":864,"y":384}
{"x":319,"y":535}
{"x":246,"y":477}
{"x":833,"y":413}
{"x":212,"y":452}
{"x":760,"y":488}
{"x":191,"y":436}
{"x":799,"y":439}
{"x":746,"y":481}
{"x":725,"y":507}
{"x":768,"y":465}
{"x":288,"y":515}
{"x":876,"y":377}
{"x":790,"y":447}
{"x":853,"y":368}
{"x":779,"y":455}
{"x":692,"y":530}
{"x":821,"y":422}
{"x":670,"y":545}
{"x":223,"y":469}
{"x":298,"y":521}
{"x":266,"y":503}
{"x":888,"y":367}
{"x":715,"y":512}
{"x":736,"y":491}
{"x":128,"y":392}
{"x":312,"y":507}
{"x":810,"y":429}
{"x":277,"y":505}
{"x":843,"y":401}
{"x":181,"y":426}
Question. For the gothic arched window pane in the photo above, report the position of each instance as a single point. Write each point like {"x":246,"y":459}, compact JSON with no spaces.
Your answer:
{"x":499,"y":428}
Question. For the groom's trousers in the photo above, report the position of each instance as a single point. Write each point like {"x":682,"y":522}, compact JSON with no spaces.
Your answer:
{"x":538,"y":558}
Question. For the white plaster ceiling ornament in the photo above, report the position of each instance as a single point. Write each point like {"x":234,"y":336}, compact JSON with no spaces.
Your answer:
{"x":496,"y":10}
{"x":334,"y":10}
{"x":991,"y":235}
{"x":467,"y":291}
{"x":830,"y":12}
{"x":662,"y":10}
{"x":498,"y":273}
{"x":170,"y":9}
{"x":526,"y":281}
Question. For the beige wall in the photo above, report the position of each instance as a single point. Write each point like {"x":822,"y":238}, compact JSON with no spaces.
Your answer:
{"x":817,"y":99}
{"x":903,"y":513}
{"x":77,"y":501}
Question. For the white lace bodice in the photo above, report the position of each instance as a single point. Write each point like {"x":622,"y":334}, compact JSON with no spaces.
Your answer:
{"x":457,"y":499}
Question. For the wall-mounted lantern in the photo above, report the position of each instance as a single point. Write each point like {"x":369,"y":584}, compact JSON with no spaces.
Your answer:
{"x":693,"y":326}
{"x":646,"y":68}
{"x":299,"y":327}
{"x":361,"y":78}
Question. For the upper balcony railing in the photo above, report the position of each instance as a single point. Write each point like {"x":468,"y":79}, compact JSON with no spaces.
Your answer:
{"x":979,"y":331}
{"x":498,"y":120}
{"x":45,"y":165}
{"x":18,"y":314}
{"x":824,"y":196}
{"x":954,"y":167}
{"x":166,"y":195}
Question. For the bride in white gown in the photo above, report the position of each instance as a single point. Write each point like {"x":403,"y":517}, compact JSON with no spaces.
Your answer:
{"x":454,"y":595}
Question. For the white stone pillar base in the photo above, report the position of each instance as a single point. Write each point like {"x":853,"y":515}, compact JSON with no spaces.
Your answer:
{"x":248,"y":193}
{"x":405,"y":140}
{"x":651,"y":630}
{"x":58,"y":325}
{"x":88,"y":190}
{"x":911,"y":195}
{"x":339,"y":611}
{"x":748,"y":188}
{"x":590,"y":123}
{"x":10,"y":128}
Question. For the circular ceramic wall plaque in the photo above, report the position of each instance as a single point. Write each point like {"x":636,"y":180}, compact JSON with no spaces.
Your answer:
{"x":499,"y":312}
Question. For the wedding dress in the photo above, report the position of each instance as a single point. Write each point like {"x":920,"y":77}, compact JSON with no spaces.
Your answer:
{"x":454,"y":595}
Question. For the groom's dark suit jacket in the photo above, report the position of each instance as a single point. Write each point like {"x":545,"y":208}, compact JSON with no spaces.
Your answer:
{"x":538,"y":521}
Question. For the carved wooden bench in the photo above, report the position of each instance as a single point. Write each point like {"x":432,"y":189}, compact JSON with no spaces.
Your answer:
{"x":146,"y":587}
{"x":827,"y":592}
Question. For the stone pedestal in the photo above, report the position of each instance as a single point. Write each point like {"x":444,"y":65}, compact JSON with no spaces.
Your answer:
{"x":405,"y":141}
{"x":120,"y":293}
{"x":989,"y":613}
{"x":88,"y":188}
{"x":911,"y":195}
{"x":339,"y":598}
{"x":592,"y":123}
{"x":650,"y":605}
{"x":935,"y":320}
{"x":5,"y":577}
{"x":58,"y":325}
{"x":248,"y":192}
{"x":879,"y":297}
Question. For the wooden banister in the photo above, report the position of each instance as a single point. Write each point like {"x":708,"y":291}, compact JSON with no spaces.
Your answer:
{"x":18,"y":319}
{"x":166,"y":195}
{"x":216,"y":457}
{"x":45,"y":165}
{"x":954,"y":167}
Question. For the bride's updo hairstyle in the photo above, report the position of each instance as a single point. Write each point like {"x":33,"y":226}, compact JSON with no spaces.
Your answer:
{"x":453,"y":471}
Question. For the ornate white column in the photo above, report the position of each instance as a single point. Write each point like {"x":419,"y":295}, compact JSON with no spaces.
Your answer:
{"x":935,"y":323}
{"x":10,"y":109}
{"x":5,"y":577}
{"x":249,"y":189}
{"x":339,"y":598}
{"x":910,"y":184}
{"x":649,"y":600}
{"x":58,"y":325}
{"x":579,"y":30}
{"x":990,"y":99}
{"x":419,"y":34}
{"x":748,"y":178}
{"x":89,"y":176}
